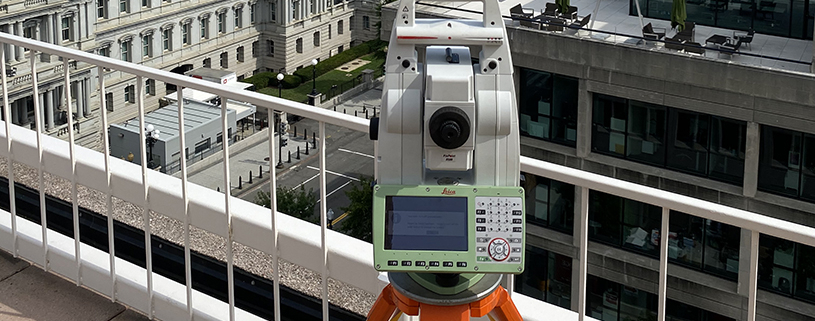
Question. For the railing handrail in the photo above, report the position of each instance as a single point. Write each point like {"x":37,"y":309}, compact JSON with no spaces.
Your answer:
{"x":258,"y":99}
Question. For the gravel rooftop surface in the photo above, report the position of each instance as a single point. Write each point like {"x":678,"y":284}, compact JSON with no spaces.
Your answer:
{"x":254,"y":261}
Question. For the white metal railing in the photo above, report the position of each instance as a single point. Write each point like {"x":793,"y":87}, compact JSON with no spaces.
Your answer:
{"x":347,"y":260}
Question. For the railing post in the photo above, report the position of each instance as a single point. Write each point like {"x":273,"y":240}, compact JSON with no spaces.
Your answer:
{"x":323,"y":219}
{"x":146,"y":189}
{"x":106,"y":150}
{"x":32,"y":58}
{"x":751,"y":296}
{"x":664,"y":233}
{"x":74,"y":192}
{"x":10,"y":159}
{"x":230,"y":277}
{"x":183,"y":167}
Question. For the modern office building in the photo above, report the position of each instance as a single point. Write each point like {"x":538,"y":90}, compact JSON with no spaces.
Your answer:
{"x":736,"y":130}
{"x":244,"y":37}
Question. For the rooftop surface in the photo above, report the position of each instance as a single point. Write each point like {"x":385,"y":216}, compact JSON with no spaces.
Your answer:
{"x":612,"y":17}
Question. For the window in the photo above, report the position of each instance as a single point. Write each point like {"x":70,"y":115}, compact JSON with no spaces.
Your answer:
{"x":786,"y":267}
{"x":704,"y":245}
{"x":272,"y":11}
{"x":124,"y":46}
{"x":150,"y":87}
{"x":219,"y":138}
{"x":317,"y":39}
{"x":351,"y":23}
{"x":222,"y":22}
{"x":698,"y":144}
{"x":295,"y":8}
{"x":311,"y":7}
{"x":67,"y":25}
{"x":130,"y":95}
{"x":366,"y":22}
{"x":147,"y":46}
{"x":167,"y":39}
{"x":787,"y":163}
{"x":238,"y":18}
{"x":104,"y":51}
{"x":549,"y":203}
{"x":202,"y":146}
{"x":124,"y":5}
{"x":239,"y":54}
{"x":252,"y":13}
{"x":254,"y":49}
{"x":329,"y":31}
{"x":102,"y":9}
{"x":109,"y":101}
{"x":624,"y":223}
{"x":298,"y":45}
{"x":547,"y":277}
{"x":270,"y":45}
{"x":224,"y":60}
{"x":204,"y":28}
{"x":339,"y":27}
{"x":548,"y":106}
{"x":185,"y":34}
{"x":145,"y":3}
{"x":207,"y":63}
{"x":340,"y":48}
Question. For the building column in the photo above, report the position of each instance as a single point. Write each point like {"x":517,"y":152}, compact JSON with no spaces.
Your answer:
{"x":80,"y":112}
{"x":49,"y":109}
{"x":18,"y":31}
{"x":583,"y":120}
{"x":744,"y":263}
{"x":41,"y":102}
{"x":751,"y":157}
{"x":85,"y":94}
{"x":580,"y":219}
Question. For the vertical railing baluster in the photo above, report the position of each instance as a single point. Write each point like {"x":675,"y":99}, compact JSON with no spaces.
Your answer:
{"x":109,"y":193}
{"x":751,"y":294}
{"x":664,"y":233}
{"x":35,"y":95}
{"x":376,"y":159}
{"x":183,"y":163}
{"x":10,"y":159}
{"x":583,"y":253}
{"x":323,"y":220}
{"x":227,"y":195}
{"x":273,"y":207}
{"x":146,"y":188}
{"x":71,"y":150}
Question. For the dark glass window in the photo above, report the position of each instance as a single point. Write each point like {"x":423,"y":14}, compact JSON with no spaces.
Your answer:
{"x":547,"y":277}
{"x":686,"y":141}
{"x":704,"y":244}
{"x":786,"y":18}
{"x":787,"y":163}
{"x":549,"y":203}
{"x":548,"y":106}
{"x":786,"y":267}
{"x":626,"y":223}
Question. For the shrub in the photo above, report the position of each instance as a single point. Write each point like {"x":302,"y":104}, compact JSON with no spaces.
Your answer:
{"x":341,"y":58}
{"x":261,"y":80}
{"x":290,"y":81}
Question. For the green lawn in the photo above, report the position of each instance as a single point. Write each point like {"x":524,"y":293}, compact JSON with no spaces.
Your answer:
{"x":324,"y":82}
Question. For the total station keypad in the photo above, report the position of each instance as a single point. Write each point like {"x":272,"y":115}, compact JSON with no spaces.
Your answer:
{"x":499,"y":223}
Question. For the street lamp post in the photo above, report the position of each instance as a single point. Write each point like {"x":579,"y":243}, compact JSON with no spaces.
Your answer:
{"x":312,"y":97}
{"x":153,"y":135}
{"x":280,"y":124}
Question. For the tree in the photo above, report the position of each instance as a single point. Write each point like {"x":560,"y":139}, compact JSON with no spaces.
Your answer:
{"x":359,"y":221}
{"x":295,"y":202}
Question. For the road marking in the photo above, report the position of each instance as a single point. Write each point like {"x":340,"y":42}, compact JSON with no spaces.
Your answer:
{"x":306,"y":181}
{"x":356,"y":153}
{"x":334,"y":191}
{"x":339,"y":219}
{"x":334,"y":173}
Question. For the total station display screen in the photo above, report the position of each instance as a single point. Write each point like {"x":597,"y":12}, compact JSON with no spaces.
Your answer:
{"x":426,"y":223}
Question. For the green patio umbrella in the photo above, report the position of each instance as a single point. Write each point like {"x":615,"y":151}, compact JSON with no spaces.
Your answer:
{"x":562,"y":6}
{"x":678,"y":15}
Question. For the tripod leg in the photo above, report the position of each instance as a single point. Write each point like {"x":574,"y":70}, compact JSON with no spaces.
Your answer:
{"x":444,"y":313}
{"x":384,"y":307}
{"x":505,"y":309}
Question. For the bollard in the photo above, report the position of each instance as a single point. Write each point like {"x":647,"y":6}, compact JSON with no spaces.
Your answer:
{"x":295,"y":131}
{"x":289,"y":161}
{"x":335,"y":108}
{"x":260,"y":169}
{"x":305,"y":135}
{"x":307,"y":148}
{"x":313,"y":140}
{"x":298,"y":153}
{"x":366,"y":114}
{"x":219,"y":189}
{"x":355,"y":114}
{"x":250,"y":177}
{"x":343,"y":110}
{"x":240,"y":182}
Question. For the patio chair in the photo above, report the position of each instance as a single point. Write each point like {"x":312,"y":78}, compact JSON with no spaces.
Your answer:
{"x":571,"y":14}
{"x":520,"y":12}
{"x":555,"y":24}
{"x":729,"y":48}
{"x":687,"y":34}
{"x":746,"y":38}
{"x":674,"y":43}
{"x":579,"y":24}
{"x":550,"y":10}
{"x":694,"y":47}
{"x":651,"y":33}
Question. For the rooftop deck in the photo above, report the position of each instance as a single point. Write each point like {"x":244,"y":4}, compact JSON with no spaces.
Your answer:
{"x":612,"y":23}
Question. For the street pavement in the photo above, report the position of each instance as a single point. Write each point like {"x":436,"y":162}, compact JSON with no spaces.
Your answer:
{"x":349,"y":156}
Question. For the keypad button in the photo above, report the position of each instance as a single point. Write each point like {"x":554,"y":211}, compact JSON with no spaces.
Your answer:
{"x":434,"y":263}
{"x":516,"y":250}
{"x":517,"y":212}
{"x":515,"y":259}
{"x":517,"y":229}
{"x":481,"y":249}
{"x":461,"y":264}
{"x":480,"y":212}
{"x":517,"y":221}
{"x":420,"y":263}
{"x":393,"y":263}
{"x":448,"y":264}
{"x":482,"y":239}
{"x":481,"y":220}
{"x":407,"y":263}
{"x":480,"y":228}
{"x":514,"y":240}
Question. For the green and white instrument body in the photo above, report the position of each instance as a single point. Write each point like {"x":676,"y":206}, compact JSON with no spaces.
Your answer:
{"x":449,"y":229}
